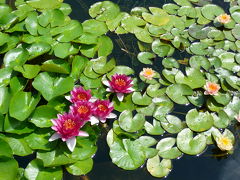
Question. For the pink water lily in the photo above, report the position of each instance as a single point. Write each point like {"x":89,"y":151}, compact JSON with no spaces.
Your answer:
{"x":79,"y":94}
{"x":67,"y":127}
{"x":120,"y":84}
{"x":102,"y":111}
{"x":82,"y":110}
{"x":211,"y":88}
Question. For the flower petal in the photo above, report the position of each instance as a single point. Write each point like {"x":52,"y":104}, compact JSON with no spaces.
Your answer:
{"x":120,"y":96}
{"x":109,"y":90}
{"x":68,"y":98}
{"x":54,"y":137}
{"x":94,"y":120}
{"x":92,"y":100}
{"x":83,"y":133}
{"x":112,"y":116}
{"x":103,"y":120}
{"x":106,"y":82}
{"x":71,"y":143}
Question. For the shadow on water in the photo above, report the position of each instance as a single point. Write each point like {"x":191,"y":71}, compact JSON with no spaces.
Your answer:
{"x":204,"y":167}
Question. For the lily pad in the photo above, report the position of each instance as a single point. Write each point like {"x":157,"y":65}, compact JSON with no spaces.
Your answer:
{"x":129,"y":123}
{"x":178,"y":93}
{"x":154,"y":129}
{"x":166,"y":149}
{"x":210,"y":11}
{"x":143,"y":100}
{"x":189,"y":144}
{"x":199,"y":121}
{"x":172,"y":124}
{"x":14,"y":57}
{"x":159,"y":168}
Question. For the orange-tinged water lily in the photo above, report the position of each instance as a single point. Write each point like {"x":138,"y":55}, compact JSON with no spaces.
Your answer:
{"x":148,"y":73}
{"x":224,"y":143}
{"x":224,"y":18}
{"x":211,"y":88}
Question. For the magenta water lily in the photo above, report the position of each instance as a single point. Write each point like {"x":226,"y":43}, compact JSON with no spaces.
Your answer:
{"x":67,"y":127}
{"x":120,"y":84}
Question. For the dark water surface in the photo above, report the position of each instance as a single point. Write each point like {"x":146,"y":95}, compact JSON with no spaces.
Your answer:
{"x":204,"y":167}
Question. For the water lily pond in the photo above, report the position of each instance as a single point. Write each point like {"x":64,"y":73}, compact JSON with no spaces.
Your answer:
{"x":120,"y":89}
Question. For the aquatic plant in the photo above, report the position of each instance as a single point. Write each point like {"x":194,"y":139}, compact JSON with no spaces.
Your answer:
{"x":57,"y":81}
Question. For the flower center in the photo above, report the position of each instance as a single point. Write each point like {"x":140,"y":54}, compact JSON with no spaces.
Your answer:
{"x":69,"y":124}
{"x":225,"y":141}
{"x":213,"y":87}
{"x":82,"y":96}
{"x":149,"y":72}
{"x":102,"y":107}
{"x":83,"y":109}
{"x":120,"y":82}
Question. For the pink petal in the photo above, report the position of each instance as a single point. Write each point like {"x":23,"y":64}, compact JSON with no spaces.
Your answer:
{"x":83,"y":133}
{"x":112,"y":116}
{"x":120,"y":96}
{"x":54,"y":137}
{"x":71,"y":143}
{"x":94,"y":120}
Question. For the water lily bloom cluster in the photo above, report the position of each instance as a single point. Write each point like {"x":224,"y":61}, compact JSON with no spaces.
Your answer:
{"x":148,"y":73}
{"x":224,"y":143}
{"x":224,"y":18}
{"x":120,"y":84}
{"x":211,"y":88}
{"x":84,"y":108}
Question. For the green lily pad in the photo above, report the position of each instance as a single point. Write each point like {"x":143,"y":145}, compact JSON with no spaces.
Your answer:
{"x":78,"y":64}
{"x":166,"y":149}
{"x":178,"y":93}
{"x":38,"y":49}
{"x":210,"y":11}
{"x":199,"y":61}
{"x":197,"y":98}
{"x":139,"y":99}
{"x":144,"y":57}
{"x":40,"y":140}
{"x":8,"y":165}
{"x":101,"y":66}
{"x":172,"y":124}
{"x":162,"y":49}
{"x":14,"y":57}
{"x":45,"y":4}
{"x":36,"y":171}
{"x":154,"y":91}
{"x":4,"y":99}
{"x":125,"y":104}
{"x":170,"y":62}
{"x":189,"y":144}
{"x":221,"y":120}
{"x":156,"y":19}
{"x":22,"y":110}
{"x":125,"y":153}
{"x":147,"y":111}
{"x":28,"y":71}
{"x":5,"y":149}
{"x":62,"y":50}
{"x":56,"y":65}
{"x":95,"y":27}
{"x":52,"y":86}
{"x":105,"y":46}
{"x":159,"y":168}
{"x":120,"y":70}
{"x":42,"y":116}
{"x":199,"y":121}
{"x":80,"y":167}
{"x":129,"y":123}
{"x":198,"y":31}
{"x":199,"y":48}
{"x":163,"y":106}
{"x":104,"y":11}
{"x":154,"y":129}
{"x":32,"y":23}
{"x":232,"y":109}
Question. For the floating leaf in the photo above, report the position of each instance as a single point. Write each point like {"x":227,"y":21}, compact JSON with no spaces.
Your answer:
{"x":144,"y":57}
{"x":37,"y":49}
{"x":154,"y":129}
{"x":45,"y":4}
{"x":14,"y":57}
{"x":80,"y":167}
{"x":28,"y":104}
{"x":162,"y":49}
{"x":28,"y":71}
{"x":56,"y":65}
{"x":189,"y":144}
{"x":35,"y":170}
{"x":177,"y":93}
{"x":210,"y":11}
{"x":95,"y":27}
{"x":172,"y":124}
{"x":159,"y":168}
{"x":166,"y":149}
{"x":199,"y":122}
{"x":51,"y":86}
{"x":143,"y":100}
{"x":129,"y":123}
{"x":164,"y":106}
{"x":4,"y":99}
{"x":8,"y":165}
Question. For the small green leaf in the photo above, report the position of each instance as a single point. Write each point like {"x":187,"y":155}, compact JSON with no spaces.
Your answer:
{"x":14,"y":57}
{"x":80,"y":167}
{"x":56,"y":65}
{"x":166,"y":149}
{"x":8,"y":165}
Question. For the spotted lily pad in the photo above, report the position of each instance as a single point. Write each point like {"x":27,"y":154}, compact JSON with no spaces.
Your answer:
{"x":189,"y":144}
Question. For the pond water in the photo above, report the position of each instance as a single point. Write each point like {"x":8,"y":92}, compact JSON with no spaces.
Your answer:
{"x":209,"y":166}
